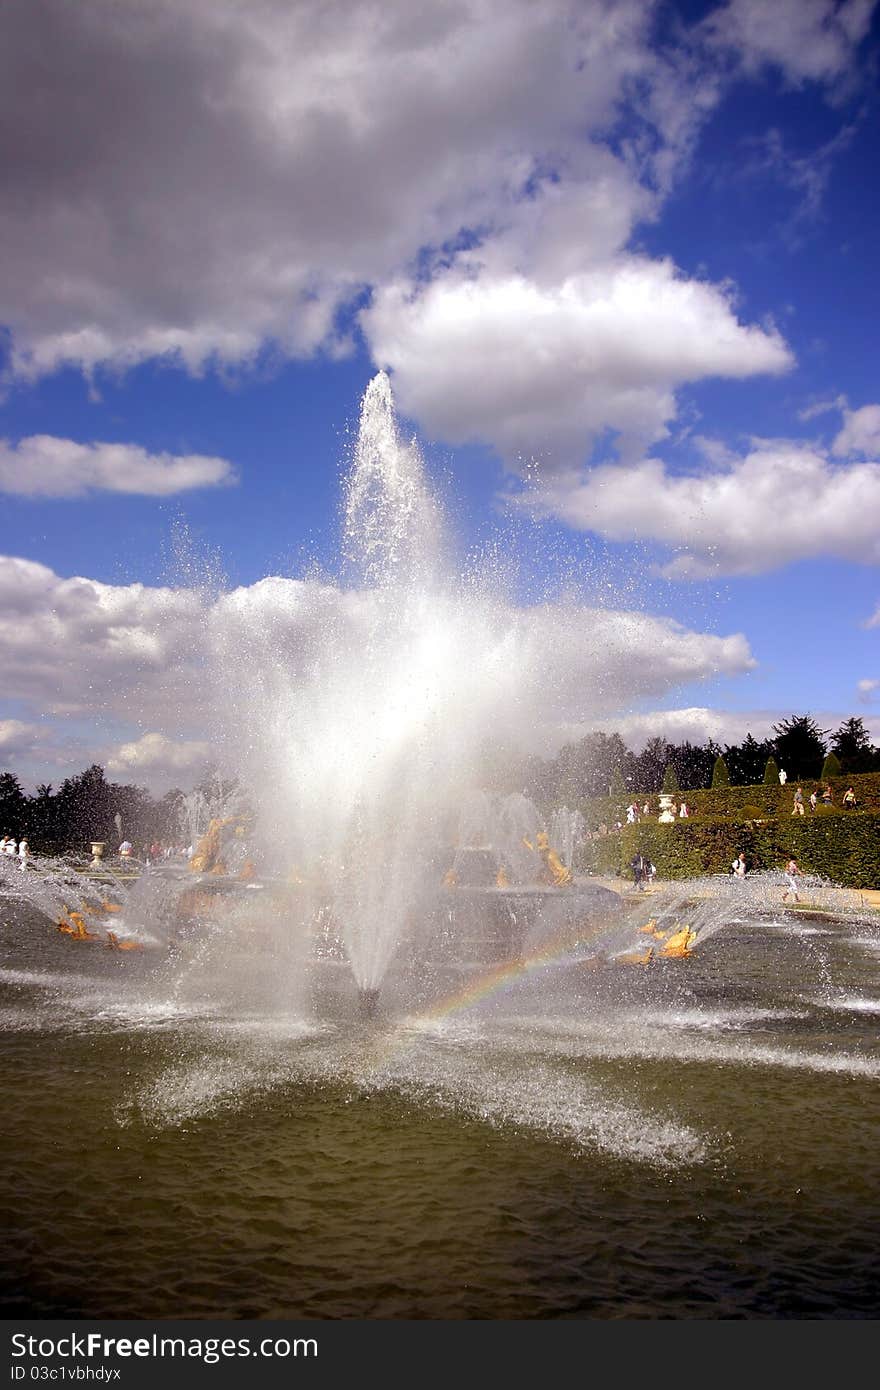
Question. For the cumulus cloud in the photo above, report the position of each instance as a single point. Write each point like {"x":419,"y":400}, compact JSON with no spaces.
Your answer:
{"x":697,"y":724}
{"x":868,"y":690}
{"x":77,"y":648}
{"x":860,"y":433}
{"x":809,"y":40}
{"x":874,"y":620}
{"x":170,"y":675}
{"x":199,"y":182}
{"x":782,"y":502}
{"x":155,"y":755}
{"x":541,"y":369}
{"x":18,"y":739}
{"x":45,"y":466}
{"x":194,"y":180}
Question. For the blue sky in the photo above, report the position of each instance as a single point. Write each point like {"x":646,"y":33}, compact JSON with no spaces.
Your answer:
{"x":617,"y":257}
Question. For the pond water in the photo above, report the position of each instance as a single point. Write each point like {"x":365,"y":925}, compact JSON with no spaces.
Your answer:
{"x":584,"y":1139}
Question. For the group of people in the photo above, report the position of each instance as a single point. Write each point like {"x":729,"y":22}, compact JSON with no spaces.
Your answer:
{"x":826,"y":798}
{"x":792,"y":874}
{"x":634,"y":813}
{"x":11,"y":848}
{"x":643,"y":871}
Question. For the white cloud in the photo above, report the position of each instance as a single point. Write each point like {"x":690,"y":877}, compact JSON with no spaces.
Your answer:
{"x":541,"y":369}
{"x":77,"y":647}
{"x":782,"y":502}
{"x":163,"y":676}
{"x":18,"y":739}
{"x":874,"y":620}
{"x":154,"y":755}
{"x":201,"y":181}
{"x":811,"y":40}
{"x":868,"y":690}
{"x":193,"y":180}
{"x":698,"y":724}
{"x":44,"y":466}
{"x":860,"y":433}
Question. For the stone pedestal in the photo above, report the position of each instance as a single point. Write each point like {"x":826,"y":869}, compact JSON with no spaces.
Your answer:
{"x":98,"y":847}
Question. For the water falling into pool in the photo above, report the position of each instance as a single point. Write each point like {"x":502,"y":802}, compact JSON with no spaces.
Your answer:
{"x":547,"y":1115}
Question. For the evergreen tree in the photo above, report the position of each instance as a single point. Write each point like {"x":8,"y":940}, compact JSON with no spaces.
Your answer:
{"x":746,"y":761}
{"x":799,"y":746}
{"x":650,"y":765}
{"x":720,"y":776}
{"x":694,"y":765}
{"x":12,"y":805}
{"x":670,"y":780}
{"x":617,"y":786}
{"x":831,"y":767}
{"x":85,"y":811}
{"x":853,"y":747}
{"x":771,"y":771}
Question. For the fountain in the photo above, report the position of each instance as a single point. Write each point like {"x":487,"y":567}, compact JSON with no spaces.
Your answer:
{"x":378,"y":1049}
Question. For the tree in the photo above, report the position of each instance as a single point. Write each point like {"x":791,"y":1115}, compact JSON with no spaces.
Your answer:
{"x":12,"y":804}
{"x":650,"y":764}
{"x":720,"y":776}
{"x":830,"y":767}
{"x":799,"y":746}
{"x":771,"y":771}
{"x":670,"y":780}
{"x":746,"y":761}
{"x":693,"y":764}
{"x":85,"y":811}
{"x":853,"y":747}
{"x":617,"y":786}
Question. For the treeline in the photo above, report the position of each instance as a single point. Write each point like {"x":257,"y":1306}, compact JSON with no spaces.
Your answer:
{"x":602,"y":764}
{"x":86,"y":808}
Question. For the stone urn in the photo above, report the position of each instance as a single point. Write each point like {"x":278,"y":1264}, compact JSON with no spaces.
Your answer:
{"x":98,"y":847}
{"x":667,"y":814}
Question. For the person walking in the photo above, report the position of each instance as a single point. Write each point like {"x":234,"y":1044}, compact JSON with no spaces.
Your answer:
{"x":849,"y":799}
{"x":792,"y":874}
{"x":798,"y":808}
{"x":738,"y":867}
{"x":637,"y":864}
{"x":827,"y":798}
{"x":814,"y":800}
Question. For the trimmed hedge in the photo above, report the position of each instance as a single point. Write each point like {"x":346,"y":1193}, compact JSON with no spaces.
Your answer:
{"x":842,"y":846}
{"x":732,"y":801}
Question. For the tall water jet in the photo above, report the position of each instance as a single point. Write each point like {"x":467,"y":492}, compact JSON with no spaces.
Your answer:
{"x":357,"y":712}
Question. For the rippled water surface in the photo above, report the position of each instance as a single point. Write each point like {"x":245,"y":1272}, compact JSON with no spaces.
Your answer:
{"x":697,"y":1139}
